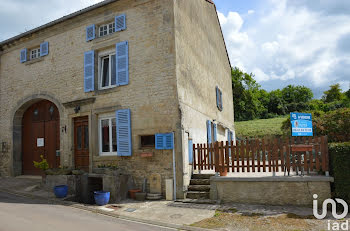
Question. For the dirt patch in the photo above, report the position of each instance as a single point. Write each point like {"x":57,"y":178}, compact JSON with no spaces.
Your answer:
{"x":259,"y":222}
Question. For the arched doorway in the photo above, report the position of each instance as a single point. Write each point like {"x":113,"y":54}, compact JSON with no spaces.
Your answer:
{"x":40,"y":136}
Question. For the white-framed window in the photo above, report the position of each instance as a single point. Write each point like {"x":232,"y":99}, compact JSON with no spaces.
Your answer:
{"x":107,"y":135}
{"x":35,"y":53}
{"x":107,"y":70}
{"x":106,"y":29}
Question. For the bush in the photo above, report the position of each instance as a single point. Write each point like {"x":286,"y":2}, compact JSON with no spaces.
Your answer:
{"x":339,"y":155}
{"x":334,"y":124}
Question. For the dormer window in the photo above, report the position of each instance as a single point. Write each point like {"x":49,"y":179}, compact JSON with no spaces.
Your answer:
{"x":34,"y":53}
{"x":106,"y":29}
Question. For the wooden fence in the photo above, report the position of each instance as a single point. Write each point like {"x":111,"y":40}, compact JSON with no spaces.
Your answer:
{"x":305,"y":155}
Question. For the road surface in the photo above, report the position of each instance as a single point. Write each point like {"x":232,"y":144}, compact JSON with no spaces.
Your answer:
{"x":26,"y":214}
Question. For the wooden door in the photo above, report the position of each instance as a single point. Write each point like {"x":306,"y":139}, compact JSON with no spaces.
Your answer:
{"x":40,"y":136}
{"x":81,"y":143}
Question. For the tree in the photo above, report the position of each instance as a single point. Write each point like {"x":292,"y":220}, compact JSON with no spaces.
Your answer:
{"x":333,"y":94}
{"x":296,"y":94}
{"x":245,"y":95}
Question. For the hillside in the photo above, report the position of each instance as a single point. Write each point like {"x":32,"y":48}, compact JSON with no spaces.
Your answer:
{"x":260,"y":127}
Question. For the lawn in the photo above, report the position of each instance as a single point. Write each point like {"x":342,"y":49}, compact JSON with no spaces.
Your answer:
{"x":260,"y":128}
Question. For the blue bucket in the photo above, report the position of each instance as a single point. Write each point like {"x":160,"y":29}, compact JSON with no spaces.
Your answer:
{"x":60,"y":191}
{"x":101,"y":197}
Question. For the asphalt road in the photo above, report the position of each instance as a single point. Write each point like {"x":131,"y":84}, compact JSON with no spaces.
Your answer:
{"x":25,"y":214}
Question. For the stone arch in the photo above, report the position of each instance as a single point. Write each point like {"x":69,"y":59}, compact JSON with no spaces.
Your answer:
{"x":17,"y":115}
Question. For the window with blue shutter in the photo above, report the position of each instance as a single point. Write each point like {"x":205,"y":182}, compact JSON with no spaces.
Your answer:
{"x":209,"y":131}
{"x":120,"y":23}
{"x":124,"y":145}
{"x":164,"y":141}
{"x":190,"y":151}
{"x":89,"y":71}
{"x":215,"y":132}
{"x":23,"y":55}
{"x":44,"y":49}
{"x":220,"y":98}
{"x":217,"y":96}
{"x":90,"y":32}
{"x":231,"y":136}
{"x":122,"y":63}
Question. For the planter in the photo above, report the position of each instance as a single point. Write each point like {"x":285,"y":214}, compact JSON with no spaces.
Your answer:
{"x":60,"y":191}
{"x":102,"y":197}
{"x":140,"y":196}
{"x":132,"y":193}
{"x":223,"y":171}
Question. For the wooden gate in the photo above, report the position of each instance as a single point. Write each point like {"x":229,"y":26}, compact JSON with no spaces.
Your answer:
{"x":306,"y":155}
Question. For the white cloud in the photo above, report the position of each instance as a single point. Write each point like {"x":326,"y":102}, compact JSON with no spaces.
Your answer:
{"x":288,"y":43}
{"x":18,"y":16}
{"x":251,"y":11}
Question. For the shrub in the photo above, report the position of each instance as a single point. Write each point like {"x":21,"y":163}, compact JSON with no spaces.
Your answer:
{"x":339,"y":155}
{"x":334,"y":124}
{"x":43,"y":165}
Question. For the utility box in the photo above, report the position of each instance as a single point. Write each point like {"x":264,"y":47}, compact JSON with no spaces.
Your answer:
{"x":169,"y":189}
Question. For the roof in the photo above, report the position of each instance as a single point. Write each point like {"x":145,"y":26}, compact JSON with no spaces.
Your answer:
{"x":62,"y":19}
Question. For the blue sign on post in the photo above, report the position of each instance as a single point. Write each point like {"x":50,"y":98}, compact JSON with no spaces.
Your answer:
{"x":301,"y":124}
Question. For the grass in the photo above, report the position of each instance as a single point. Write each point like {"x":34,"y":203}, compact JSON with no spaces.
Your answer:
{"x":260,"y":128}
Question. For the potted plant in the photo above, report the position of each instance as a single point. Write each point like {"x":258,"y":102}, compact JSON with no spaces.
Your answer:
{"x":43,"y":165}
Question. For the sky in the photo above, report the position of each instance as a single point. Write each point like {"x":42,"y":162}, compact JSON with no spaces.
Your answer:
{"x":300,"y":42}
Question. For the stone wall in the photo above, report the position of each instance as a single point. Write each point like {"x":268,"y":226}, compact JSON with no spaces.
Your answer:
{"x":59,"y":78}
{"x":270,"y":190}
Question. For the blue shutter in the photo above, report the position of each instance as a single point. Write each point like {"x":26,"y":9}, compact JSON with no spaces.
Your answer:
{"x":215,"y":133}
{"x":89,"y":71}
{"x":160,"y":141}
{"x":124,"y":146}
{"x":44,"y":49}
{"x":190,"y":151}
{"x":220,"y":93}
{"x":164,"y":141}
{"x":231,"y":136}
{"x":120,"y":23}
{"x":169,"y":138}
{"x":90,"y":32}
{"x":209,"y":131}
{"x":23,"y":55}
{"x":122,"y":63}
{"x":217,"y":96}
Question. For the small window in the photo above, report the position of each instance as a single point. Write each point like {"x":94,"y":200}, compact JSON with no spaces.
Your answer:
{"x":107,"y":71}
{"x":219,"y":98}
{"x":34,"y":53}
{"x":108,"y":136}
{"x":106,"y":29}
{"x":148,"y":141}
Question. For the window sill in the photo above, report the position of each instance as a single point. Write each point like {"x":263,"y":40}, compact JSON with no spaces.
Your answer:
{"x":34,"y":61}
{"x":106,"y":90}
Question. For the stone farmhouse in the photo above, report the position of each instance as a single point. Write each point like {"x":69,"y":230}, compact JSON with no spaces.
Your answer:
{"x":122,"y":82}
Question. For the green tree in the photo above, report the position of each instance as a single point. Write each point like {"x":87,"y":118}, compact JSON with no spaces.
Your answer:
{"x":276,"y":104}
{"x":296,"y":94}
{"x":245,"y":95}
{"x":333,"y":94}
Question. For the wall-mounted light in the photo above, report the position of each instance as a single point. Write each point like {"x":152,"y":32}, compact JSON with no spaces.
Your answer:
{"x":77,"y":109}
{"x":4,"y":147}
{"x":64,"y":129}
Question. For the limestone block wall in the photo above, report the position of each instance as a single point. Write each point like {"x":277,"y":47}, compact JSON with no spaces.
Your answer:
{"x":59,"y":78}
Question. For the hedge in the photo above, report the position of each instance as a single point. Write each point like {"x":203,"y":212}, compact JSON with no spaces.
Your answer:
{"x":339,"y":154}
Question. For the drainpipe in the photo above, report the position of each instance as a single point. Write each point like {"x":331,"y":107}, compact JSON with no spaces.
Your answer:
{"x":174,"y":170}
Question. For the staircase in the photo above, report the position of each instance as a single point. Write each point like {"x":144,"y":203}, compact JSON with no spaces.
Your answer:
{"x":199,"y":188}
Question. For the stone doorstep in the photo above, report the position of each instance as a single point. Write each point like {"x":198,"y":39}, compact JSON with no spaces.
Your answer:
{"x":107,"y":213}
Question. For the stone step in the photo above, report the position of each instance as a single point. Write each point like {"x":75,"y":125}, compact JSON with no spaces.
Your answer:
{"x":202,"y":176}
{"x":200,"y":182}
{"x":203,"y":188}
{"x":197,"y":195}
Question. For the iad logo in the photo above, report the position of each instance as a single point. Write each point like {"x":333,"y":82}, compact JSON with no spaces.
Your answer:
{"x":334,"y":225}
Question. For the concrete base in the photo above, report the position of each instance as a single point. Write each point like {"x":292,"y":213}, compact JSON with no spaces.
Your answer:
{"x":54,"y":180}
{"x":270,"y":190}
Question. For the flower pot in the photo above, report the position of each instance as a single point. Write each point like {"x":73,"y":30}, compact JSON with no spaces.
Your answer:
{"x":101,"y":197}
{"x":223,"y":172}
{"x":140,"y":196}
{"x":60,"y":191}
{"x":132,"y":193}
